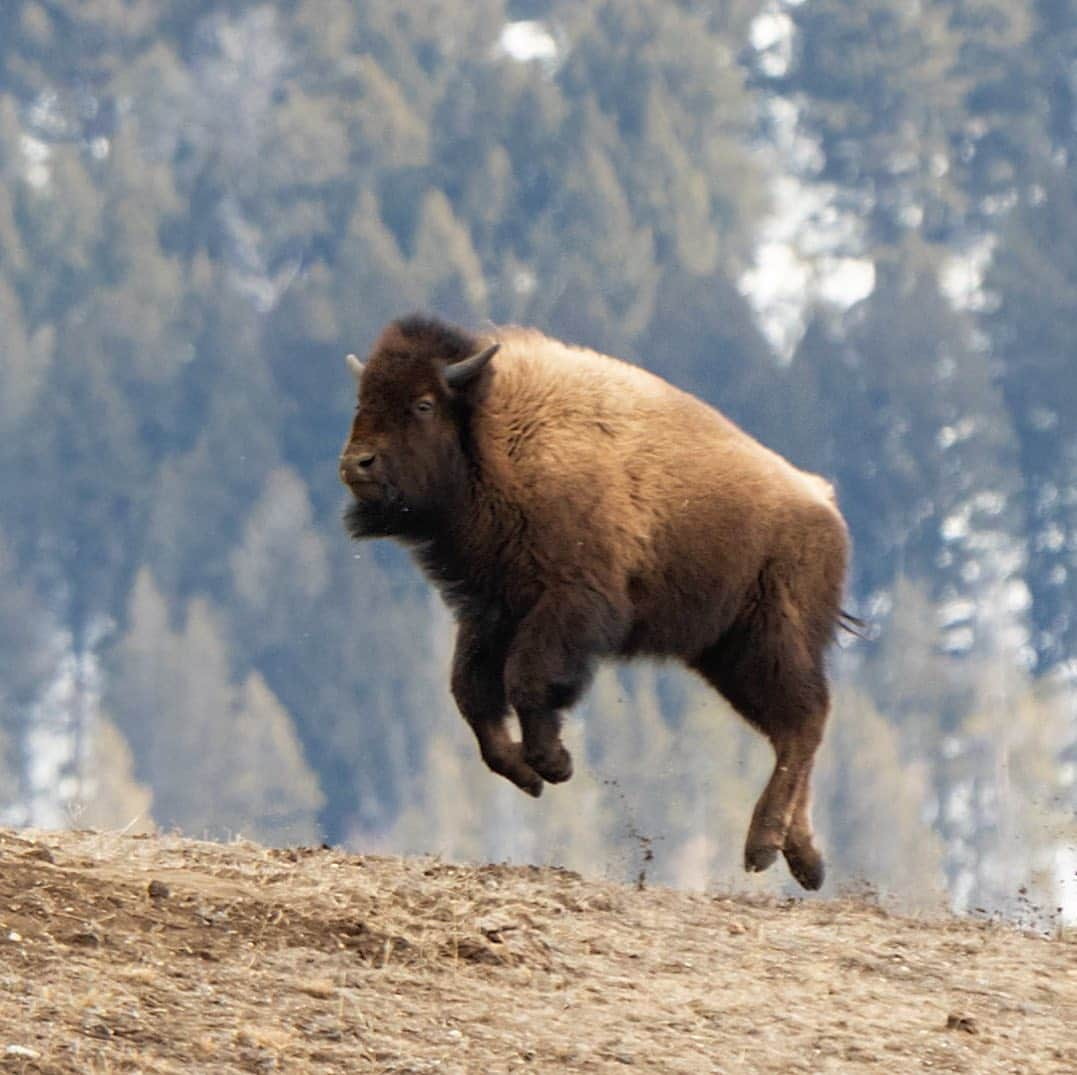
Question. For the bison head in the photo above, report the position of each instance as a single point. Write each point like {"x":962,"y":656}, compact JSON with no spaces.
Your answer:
{"x":405,"y":456}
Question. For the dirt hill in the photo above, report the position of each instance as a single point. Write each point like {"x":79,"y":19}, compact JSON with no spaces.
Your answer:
{"x":166,"y":955}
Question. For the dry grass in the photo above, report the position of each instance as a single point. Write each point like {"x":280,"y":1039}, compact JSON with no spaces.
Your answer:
{"x":125,"y":954}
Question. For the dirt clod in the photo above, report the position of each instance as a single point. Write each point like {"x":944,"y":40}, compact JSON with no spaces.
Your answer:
{"x":39,"y":854}
{"x":85,"y":938}
{"x":158,"y":890}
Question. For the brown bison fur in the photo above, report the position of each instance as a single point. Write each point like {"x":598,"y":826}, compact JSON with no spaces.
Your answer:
{"x":572,"y":507}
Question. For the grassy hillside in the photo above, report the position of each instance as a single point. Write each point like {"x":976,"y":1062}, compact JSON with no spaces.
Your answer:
{"x":168,"y":955}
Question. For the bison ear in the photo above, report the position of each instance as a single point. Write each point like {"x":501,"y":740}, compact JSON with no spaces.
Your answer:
{"x":460,"y":373}
{"x":355,"y":364}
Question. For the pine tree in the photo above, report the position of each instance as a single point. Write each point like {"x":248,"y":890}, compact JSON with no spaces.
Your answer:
{"x":871,"y":804}
{"x":882,"y":95}
{"x":110,"y":797}
{"x":279,"y":568}
{"x":444,"y":264}
{"x":1033,"y":276}
{"x":938,"y":495}
{"x":25,"y":363}
{"x":221,"y":758}
{"x":31,"y":647}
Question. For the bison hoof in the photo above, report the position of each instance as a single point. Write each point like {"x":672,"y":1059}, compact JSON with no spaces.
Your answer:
{"x":759,"y":857}
{"x":806,"y":866}
{"x":511,"y":765}
{"x":526,"y":779}
{"x":555,"y":767}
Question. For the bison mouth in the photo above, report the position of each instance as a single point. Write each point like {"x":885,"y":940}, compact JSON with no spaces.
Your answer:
{"x":376,"y":511}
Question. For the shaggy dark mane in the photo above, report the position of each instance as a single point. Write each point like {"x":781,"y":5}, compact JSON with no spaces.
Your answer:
{"x":430,"y":337}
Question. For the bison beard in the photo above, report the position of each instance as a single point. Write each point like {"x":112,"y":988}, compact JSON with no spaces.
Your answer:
{"x":385,"y":517}
{"x":571,"y":507}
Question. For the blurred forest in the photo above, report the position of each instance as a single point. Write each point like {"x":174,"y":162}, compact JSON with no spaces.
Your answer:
{"x":851,"y":226}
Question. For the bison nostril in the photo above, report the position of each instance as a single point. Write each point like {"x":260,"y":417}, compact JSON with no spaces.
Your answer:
{"x":354,"y":464}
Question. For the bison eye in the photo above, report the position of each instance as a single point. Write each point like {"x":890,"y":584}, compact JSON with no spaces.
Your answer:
{"x":424,"y":406}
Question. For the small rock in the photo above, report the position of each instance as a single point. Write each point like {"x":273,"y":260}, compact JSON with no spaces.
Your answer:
{"x":158,"y":890}
{"x":22,"y":1052}
{"x":961,"y":1022}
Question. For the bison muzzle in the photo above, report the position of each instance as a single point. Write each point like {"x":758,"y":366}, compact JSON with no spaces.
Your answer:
{"x":572,"y":507}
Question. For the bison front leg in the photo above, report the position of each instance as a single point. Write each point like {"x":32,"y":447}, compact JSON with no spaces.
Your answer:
{"x":550,"y":663}
{"x":478,"y":686}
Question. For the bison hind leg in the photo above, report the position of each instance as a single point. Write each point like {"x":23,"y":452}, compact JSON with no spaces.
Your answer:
{"x":770,"y":670}
{"x":801,"y":855}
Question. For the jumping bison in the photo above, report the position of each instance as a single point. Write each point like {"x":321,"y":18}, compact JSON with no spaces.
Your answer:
{"x":572,"y":507}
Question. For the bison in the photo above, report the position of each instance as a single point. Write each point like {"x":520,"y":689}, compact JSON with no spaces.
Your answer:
{"x":573,"y":507}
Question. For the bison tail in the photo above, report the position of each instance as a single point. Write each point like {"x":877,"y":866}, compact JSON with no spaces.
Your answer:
{"x":855,"y":626}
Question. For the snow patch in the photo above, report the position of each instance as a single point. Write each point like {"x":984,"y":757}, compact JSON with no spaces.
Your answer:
{"x":526,"y":40}
{"x":771,"y":35}
{"x":801,"y":257}
{"x":35,"y":156}
{"x":961,"y":277}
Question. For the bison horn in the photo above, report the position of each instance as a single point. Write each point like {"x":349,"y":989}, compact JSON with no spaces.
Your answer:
{"x":355,"y":364}
{"x":459,"y":373}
